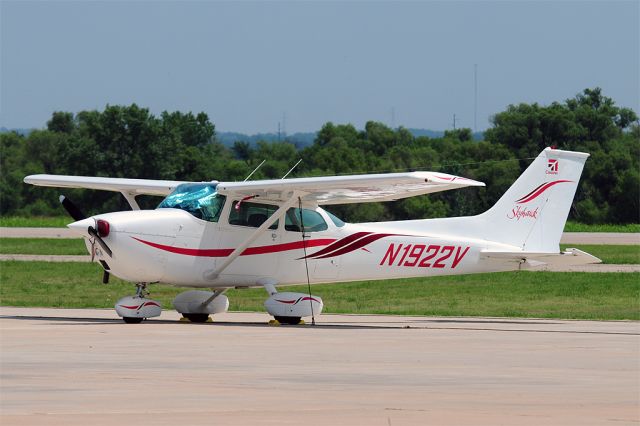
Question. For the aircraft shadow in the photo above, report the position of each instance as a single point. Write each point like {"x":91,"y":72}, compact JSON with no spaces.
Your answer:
{"x":424,"y":324}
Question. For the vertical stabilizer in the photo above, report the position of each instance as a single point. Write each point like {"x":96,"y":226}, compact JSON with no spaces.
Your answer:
{"x":533,"y":211}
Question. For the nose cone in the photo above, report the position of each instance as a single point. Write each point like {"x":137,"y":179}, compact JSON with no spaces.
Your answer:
{"x":81,"y":226}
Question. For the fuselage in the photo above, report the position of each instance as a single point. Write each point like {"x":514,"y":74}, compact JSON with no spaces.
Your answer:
{"x":172,"y":246}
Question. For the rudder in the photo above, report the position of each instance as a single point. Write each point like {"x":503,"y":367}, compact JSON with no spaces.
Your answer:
{"x":533,"y":211}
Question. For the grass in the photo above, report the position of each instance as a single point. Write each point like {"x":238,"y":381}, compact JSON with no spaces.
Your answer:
{"x":512,"y":294}
{"x":572,"y":226}
{"x":61,"y":221}
{"x":42,"y":246}
{"x":612,"y":254}
{"x":35,"y":221}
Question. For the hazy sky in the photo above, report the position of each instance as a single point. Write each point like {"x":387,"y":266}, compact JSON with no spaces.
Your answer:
{"x":248,"y":63}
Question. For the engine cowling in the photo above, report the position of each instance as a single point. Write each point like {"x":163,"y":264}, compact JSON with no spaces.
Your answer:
{"x":289,"y":304}
{"x":138,"y":307}
{"x":191,"y":302}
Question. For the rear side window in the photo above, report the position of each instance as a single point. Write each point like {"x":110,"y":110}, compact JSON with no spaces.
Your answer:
{"x":313,"y":221}
{"x":251,"y":214}
{"x":336,"y":220}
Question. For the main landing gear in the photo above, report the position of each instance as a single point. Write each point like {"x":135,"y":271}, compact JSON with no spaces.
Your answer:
{"x":196,"y":305}
{"x":134,"y":309}
{"x":288,"y":307}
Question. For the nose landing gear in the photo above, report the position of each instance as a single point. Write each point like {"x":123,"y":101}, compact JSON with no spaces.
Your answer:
{"x":134,"y":309}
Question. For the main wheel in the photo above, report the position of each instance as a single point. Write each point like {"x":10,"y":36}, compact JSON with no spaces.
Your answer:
{"x":196,"y":317}
{"x":132,"y":320}
{"x":288,"y":320}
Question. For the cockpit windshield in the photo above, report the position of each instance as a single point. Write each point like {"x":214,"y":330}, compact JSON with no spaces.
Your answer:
{"x":199,"y":199}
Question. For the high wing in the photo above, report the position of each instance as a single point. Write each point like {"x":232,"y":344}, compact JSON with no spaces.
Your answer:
{"x":349,"y":189}
{"x":320,"y":190}
{"x":128,"y":186}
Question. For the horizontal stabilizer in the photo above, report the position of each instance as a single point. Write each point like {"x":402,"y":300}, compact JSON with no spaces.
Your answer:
{"x":529,"y":260}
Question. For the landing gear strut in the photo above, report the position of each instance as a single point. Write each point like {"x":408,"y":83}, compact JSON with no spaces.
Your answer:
{"x":134,"y":309}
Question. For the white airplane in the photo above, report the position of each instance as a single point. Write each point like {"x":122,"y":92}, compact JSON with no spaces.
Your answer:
{"x":222,"y":235}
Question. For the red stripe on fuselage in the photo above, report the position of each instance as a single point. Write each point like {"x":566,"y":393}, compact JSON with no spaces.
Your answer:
{"x":339,"y":244}
{"x":356,"y":245}
{"x":248,"y":252}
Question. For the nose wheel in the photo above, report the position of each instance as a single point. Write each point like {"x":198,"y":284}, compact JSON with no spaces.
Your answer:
{"x":135,"y":309}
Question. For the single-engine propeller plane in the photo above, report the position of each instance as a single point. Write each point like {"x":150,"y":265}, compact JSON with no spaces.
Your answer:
{"x":268,"y":233}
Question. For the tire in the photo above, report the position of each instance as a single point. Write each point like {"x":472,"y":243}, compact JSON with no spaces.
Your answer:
{"x":132,"y":320}
{"x":200,"y":318}
{"x":288,"y":320}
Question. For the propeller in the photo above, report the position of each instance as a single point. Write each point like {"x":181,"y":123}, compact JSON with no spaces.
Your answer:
{"x":99,"y":227}
{"x":92,"y":231}
{"x":72,"y":209}
{"x":77,"y":215}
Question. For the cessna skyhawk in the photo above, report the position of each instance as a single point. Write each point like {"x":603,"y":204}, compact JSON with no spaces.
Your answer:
{"x":268,"y":233}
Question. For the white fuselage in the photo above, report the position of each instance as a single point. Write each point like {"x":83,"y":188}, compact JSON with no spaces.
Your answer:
{"x":171,"y":246}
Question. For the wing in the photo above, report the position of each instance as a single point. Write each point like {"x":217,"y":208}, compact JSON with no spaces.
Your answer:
{"x":349,"y":189}
{"x":126,"y":186}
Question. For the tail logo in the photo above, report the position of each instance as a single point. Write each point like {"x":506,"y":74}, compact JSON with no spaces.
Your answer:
{"x":539,"y":190}
{"x":521,"y":212}
{"x":552,"y":167}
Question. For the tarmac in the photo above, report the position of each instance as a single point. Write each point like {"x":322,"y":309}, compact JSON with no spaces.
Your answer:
{"x":79,"y":367}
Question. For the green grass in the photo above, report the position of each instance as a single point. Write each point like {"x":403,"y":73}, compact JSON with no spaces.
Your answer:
{"x":612,"y":254}
{"x":583,"y":227}
{"x":512,"y":294}
{"x":42,"y":246}
{"x":34,"y":221}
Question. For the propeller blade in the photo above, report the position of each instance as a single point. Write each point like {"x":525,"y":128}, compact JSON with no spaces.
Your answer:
{"x":105,"y":277}
{"x":72,"y":209}
{"x":92,"y":231}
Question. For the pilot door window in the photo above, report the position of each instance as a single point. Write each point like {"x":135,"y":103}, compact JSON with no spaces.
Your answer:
{"x":251,"y":214}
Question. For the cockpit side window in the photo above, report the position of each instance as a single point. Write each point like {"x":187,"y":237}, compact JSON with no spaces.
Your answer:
{"x":251,"y":214}
{"x":199,"y":199}
{"x":313,"y":221}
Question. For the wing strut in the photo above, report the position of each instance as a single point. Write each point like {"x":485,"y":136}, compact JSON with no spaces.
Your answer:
{"x":266,"y":224}
{"x":131,"y":199}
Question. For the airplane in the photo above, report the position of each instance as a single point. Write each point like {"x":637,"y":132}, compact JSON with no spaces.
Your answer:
{"x":267,"y":233}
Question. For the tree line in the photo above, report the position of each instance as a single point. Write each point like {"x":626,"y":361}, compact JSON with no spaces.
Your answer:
{"x":129,"y":141}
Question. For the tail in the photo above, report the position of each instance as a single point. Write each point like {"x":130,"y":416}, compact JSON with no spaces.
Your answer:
{"x":533,"y":211}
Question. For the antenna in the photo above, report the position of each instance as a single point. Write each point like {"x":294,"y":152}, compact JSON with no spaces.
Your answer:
{"x":475,"y":98}
{"x":254,"y":170}
{"x":454,"y":121}
{"x":284,"y":124}
{"x":296,"y":165}
{"x":393,"y":117}
{"x":306,"y":264}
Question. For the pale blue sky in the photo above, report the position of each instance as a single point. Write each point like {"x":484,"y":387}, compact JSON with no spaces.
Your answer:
{"x":247,"y":63}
